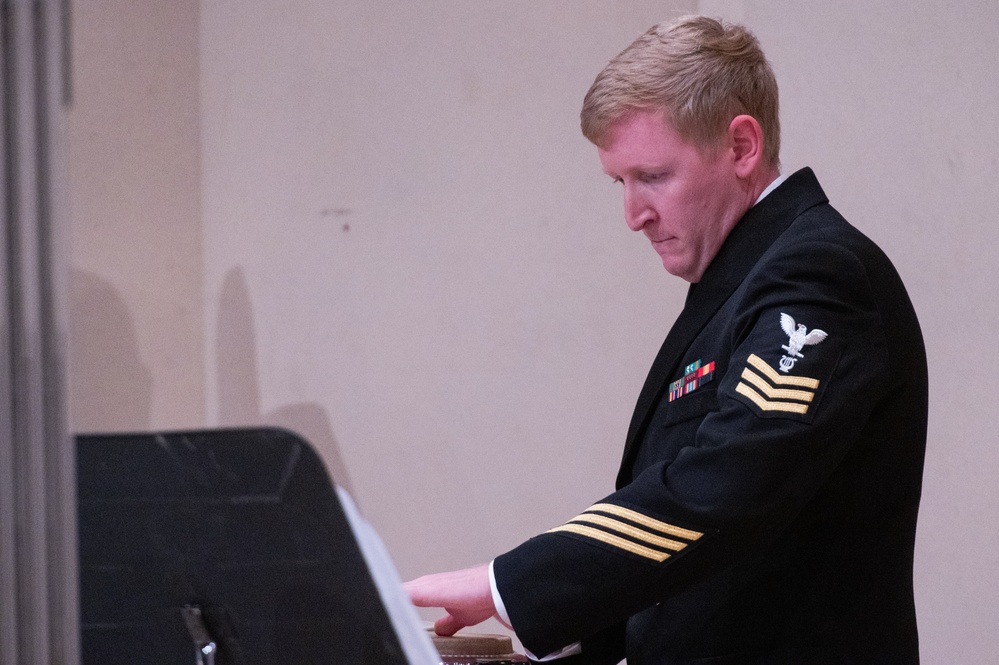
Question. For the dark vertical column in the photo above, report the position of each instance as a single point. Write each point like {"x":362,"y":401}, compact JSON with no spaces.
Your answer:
{"x":38,"y":581}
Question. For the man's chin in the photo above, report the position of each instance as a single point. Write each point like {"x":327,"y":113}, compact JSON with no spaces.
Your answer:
{"x":679,"y":269}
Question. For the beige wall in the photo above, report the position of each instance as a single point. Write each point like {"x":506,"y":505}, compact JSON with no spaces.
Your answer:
{"x":137,"y":359}
{"x":386,"y":233}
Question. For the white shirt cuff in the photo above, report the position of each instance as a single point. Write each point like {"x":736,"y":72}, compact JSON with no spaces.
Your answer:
{"x":498,"y":600}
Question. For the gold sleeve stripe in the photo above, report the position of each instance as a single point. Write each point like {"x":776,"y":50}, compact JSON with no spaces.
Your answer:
{"x":629,"y":530}
{"x":770,"y":373}
{"x":775,"y":393}
{"x":615,"y":541}
{"x":764,"y":404}
{"x":646,"y":521}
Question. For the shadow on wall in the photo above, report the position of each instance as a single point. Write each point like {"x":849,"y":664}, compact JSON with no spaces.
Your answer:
{"x":110,"y":388}
{"x":239,"y":390}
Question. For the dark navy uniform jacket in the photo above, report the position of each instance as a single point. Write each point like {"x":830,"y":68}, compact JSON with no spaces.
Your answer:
{"x":766,"y":504}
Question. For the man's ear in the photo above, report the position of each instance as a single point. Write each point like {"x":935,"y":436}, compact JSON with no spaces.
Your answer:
{"x":746,"y":143}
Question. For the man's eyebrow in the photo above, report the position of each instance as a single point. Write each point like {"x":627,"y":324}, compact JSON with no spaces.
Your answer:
{"x":657,"y":167}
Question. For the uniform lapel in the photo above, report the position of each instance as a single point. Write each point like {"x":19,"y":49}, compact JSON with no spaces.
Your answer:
{"x":751,"y":237}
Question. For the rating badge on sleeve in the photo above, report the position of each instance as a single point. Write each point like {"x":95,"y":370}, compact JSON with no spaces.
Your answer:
{"x":800,"y":337}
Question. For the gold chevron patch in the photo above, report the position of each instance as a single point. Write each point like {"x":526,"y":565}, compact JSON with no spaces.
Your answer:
{"x":765,"y":388}
{"x":631,"y":531}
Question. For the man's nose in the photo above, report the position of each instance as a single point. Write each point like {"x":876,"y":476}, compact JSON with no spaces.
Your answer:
{"x":637,"y":211}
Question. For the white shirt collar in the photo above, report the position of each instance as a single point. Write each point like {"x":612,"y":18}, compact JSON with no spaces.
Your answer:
{"x":771,"y":187}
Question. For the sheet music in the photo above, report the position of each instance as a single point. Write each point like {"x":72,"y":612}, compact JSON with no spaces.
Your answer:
{"x":412,"y":634}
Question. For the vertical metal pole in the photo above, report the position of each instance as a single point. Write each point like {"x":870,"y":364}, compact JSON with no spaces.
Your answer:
{"x":8,"y":559}
{"x":38,"y":595}
{"x":60,"y":459}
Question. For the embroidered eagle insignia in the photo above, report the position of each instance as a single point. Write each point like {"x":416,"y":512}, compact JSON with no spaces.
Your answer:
{"x":800,"y":337}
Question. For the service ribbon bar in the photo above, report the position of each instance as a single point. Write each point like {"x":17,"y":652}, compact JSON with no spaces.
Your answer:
{"x":695,"y":375}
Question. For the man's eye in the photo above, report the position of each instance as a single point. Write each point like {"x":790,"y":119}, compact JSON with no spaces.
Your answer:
{"x":652,"y":177}
{"x":617,"y":181}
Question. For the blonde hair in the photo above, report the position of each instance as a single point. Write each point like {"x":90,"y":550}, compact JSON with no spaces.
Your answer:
{"x":700,"y":72}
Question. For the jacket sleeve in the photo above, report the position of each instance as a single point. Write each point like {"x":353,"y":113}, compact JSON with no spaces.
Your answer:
{"x":604,"y":648}
{"x":805,"y":362}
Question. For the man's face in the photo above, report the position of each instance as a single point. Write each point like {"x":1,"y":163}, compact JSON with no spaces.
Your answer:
{"x":685,"y":199}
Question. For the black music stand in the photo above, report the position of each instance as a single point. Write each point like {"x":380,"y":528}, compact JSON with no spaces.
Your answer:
{"x":226,"y":546}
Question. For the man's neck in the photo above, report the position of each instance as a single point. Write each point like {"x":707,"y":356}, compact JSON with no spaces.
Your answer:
{"x":763,"y":180}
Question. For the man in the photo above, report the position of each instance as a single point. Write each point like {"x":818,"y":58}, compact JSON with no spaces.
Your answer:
{"x":766,"y":503}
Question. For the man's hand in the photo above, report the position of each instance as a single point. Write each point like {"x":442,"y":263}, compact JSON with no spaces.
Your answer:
{"x":464,"y":594}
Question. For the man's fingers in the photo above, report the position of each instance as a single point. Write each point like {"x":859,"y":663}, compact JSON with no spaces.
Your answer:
{"x":464,"y":594}
{"x":419,"y":595}
{"x":461,"y":589}
{"x":429,"y":591}
{"x":447,"y":625}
